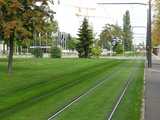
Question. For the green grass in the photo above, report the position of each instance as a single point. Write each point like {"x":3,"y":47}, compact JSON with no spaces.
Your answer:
{"x":40,"y":87}
{"x":130,"y":107}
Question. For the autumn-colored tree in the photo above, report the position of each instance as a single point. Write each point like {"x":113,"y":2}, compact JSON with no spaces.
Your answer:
{"x":156,"y":24}
{"x":22,"y":19}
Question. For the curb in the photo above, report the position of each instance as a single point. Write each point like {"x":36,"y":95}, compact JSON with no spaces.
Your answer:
{"x":143,"y":99}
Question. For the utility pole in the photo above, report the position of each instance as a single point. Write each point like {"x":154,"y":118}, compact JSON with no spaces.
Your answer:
{"x":149,"y":27}
{"x":149,"y":35}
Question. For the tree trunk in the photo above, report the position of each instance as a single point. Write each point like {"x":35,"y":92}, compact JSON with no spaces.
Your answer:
{"x":4,"y":50}
{"x":10,"y":56}
{"x":19,"y":50}
{"x":86,"y":52}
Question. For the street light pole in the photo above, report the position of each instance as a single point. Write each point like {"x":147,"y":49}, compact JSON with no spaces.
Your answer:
{"x":149,"y":35}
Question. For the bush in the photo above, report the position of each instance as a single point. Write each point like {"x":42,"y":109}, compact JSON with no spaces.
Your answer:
{"x":37,"y":52}
{"x":119,"y":49}
{"x":96,"y":51}
{"x":56,"y":52}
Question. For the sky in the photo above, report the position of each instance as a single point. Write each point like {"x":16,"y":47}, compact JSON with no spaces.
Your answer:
{"x":100,"y":15}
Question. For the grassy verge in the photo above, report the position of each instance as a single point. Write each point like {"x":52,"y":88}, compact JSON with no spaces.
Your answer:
{"x":130,"y":108}
{"x":98,"y":104}
{"x":40,"y":87}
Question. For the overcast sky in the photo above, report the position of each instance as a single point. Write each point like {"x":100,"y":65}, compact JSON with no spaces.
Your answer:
{"x":103,"y":14}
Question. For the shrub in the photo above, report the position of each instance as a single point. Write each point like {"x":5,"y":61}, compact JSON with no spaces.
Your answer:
{"x":119,"y":49}
{"x":56,"y":52}
{"x":37,"y":52}
{"x":96,"y":51}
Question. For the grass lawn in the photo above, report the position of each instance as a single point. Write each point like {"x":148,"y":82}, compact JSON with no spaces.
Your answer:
{"x":39,"y":88}
{"x":131,"y":104}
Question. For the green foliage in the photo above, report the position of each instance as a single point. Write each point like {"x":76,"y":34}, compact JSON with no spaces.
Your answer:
{"x":37,"y":52}
{"x":156,"y":25}
{"x":21,"y":20}
{"x":85,"y":40}
{"x":109,"y":32}
{"x":106,"y":37}
{"x":96,"y":51}
{"x":56,"y":52}
{"x":127,"y":32}
{"x":72,"y":42}
{"x":47,"y":36}
{"x":23,"y":17}
{"x":119,"y":48}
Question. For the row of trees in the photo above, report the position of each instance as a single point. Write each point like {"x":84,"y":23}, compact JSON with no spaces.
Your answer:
{"x":112,"y":37}
{"x":24,"y":20}
{"x":31,"y":22}
{"x":117,"y":38}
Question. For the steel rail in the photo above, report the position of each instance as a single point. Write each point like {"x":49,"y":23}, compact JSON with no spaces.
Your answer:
{"x":127,"y":84}
{"x":87,"y":92}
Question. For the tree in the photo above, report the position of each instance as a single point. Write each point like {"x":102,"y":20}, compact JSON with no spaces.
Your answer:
{"x":71,"y":43}
{"x":109,"y":33}
{"x":85,"y":40}
{"x":22,"y":19}
{"x":156,"y":24}
{"x":106,"y":36}
{"x":127,"y":32}
{"x":56,"y":52}
{"x":96,"y":49}
{"x":119,"y":48}
{"x":48,"y":36}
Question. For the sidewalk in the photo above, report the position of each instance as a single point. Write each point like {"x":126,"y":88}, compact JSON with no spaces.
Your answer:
{"x":152,"y":91}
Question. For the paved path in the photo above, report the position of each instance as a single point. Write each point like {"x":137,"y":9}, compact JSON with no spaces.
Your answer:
{"x":152,"y":92}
